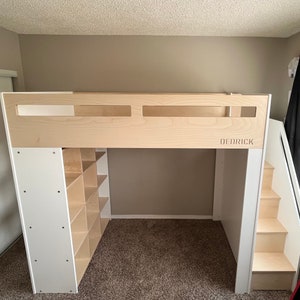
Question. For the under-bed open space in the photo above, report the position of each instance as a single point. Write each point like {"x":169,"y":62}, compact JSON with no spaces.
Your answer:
{"x":147,"y":259}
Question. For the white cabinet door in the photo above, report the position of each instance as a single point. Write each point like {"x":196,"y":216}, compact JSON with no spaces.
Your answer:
{"x":10,"y":227}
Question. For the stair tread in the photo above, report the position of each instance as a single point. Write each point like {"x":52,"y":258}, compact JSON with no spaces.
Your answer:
{"x":270,"y":225}
{"x":271,"y":262}
{"x":268,"y":165}
{"x":268,"y":194}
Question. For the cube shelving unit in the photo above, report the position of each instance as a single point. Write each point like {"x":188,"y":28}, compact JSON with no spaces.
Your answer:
{"x":65,"y":206}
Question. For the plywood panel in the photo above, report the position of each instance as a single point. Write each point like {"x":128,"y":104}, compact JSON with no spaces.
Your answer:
{"x":268,"y":208}
{"x":271,"y":262}
{"x":138,"y":131}
{"x":275,"y":281}
{"x":270,"y":242}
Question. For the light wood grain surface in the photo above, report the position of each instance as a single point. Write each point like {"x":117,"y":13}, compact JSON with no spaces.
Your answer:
{"x":173,"y":129}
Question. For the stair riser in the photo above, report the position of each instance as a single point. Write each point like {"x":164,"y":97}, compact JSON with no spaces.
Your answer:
{"x":268,"y":208}
{"x":270,"y":242}
{"x":267,"y":178}
{"x":272,"y":280}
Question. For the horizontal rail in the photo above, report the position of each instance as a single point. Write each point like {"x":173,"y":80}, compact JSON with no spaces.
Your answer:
{"x":48,"y":110}
{"x":116,"y":120}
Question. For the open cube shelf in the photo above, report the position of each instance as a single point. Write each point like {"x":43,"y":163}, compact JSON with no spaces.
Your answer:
{"x":82,"y":181}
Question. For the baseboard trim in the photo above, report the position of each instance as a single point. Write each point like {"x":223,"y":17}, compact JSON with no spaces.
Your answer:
{"x":190,"y":217}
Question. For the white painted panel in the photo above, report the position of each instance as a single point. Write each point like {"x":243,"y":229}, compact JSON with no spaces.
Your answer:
{"x":235,"y":164}
{"x":248,"y":224}
{"x":10,"y":226}
{"x":106,"y":211}
{"x":218,"y":186}
{"x":44,"y":210}
{"x":283,"y":176}
{"x":242,"y":177}
{"x":104,"y":188}
{"x":102,"y":169}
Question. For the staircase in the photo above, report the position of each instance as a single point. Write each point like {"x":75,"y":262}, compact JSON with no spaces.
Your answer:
{"x":271,"y":269}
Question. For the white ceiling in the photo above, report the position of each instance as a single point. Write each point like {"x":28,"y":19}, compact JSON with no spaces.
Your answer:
{"x":267,"y":18}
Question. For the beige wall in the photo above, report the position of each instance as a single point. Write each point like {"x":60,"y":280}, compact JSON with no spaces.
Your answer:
{"x":156,"y":64}
{"x":10,"y":56}
{"x":293,"y":46}
{"x":158,"y":182}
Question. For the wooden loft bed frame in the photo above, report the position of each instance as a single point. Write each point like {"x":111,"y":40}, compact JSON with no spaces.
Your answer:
{"x":64,"y":203}
{"x":115,"y":120}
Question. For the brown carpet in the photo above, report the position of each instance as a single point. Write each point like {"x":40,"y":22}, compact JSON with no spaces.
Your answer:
{"x":145,"y":259}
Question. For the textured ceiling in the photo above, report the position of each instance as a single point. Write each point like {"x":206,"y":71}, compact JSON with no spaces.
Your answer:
{"x":268,"y":18}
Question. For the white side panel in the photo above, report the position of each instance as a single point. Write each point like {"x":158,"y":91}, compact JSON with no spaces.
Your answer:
{"x":235,"y":165}
{"x":218,"y":186}
{"x":248,"y":225}
{"x":43,"y":207}
{"x":242,"y":177}
{"x":10,"y":225}
{"x":104,"y":191}
{"x":282,"y":185}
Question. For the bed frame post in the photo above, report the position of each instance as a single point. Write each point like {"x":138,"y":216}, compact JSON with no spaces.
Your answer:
{"x":218,"y":185}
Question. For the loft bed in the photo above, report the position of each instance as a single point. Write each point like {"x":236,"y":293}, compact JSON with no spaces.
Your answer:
{"x":60,"y":139}
{"x":136,"y":120}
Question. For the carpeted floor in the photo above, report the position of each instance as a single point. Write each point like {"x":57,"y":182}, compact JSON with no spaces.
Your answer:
{"x":145,"y":259}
